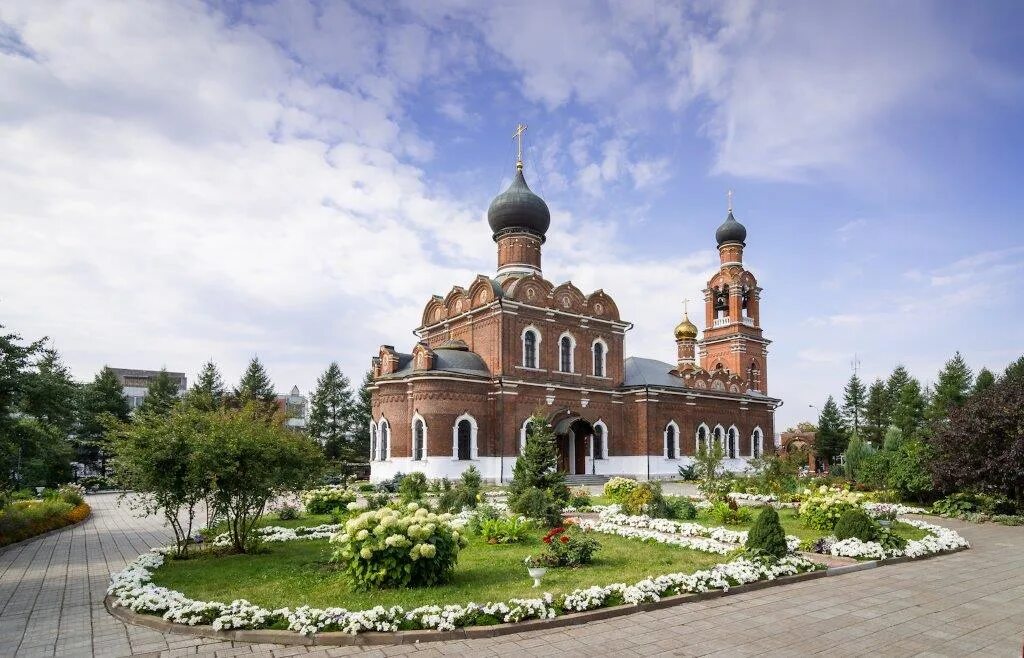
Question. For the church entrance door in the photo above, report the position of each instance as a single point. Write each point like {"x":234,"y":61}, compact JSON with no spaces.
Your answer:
{"x":573,"y":435}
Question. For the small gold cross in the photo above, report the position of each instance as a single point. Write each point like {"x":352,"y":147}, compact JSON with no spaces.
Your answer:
{"x":518,"y":136}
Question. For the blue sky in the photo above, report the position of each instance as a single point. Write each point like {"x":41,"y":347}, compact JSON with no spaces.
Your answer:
{"x":186,"y":180}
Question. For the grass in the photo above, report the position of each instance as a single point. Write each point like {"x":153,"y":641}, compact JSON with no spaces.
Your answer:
{"x":792,"y":524}
{"x":299,"y":573}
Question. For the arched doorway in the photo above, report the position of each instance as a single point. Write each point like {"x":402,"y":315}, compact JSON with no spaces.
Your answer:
{"x":573,"y":435}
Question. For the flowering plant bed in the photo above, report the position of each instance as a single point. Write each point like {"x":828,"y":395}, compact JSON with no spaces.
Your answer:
{"x":26,"y":519}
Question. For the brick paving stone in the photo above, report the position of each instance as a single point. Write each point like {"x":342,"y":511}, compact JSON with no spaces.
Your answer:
{"x":52,"y":589}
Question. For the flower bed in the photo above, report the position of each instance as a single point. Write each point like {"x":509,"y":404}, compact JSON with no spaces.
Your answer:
{"x":23,"y":520}
{"x":133,"y":589}
{"x":940,"y":539}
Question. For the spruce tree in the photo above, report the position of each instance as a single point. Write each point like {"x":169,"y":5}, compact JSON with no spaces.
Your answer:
{"x":51,"y":395}
{"x":767,"y":534}
{"x":854,"y":400}
{"x":855,"y":457}
{"x":44,"y":422}
{"x":536,"y":470}
{"x":331,"y":414}
{"x":897,"y":380}
{"x":908,"y":410}
{"x":893,"y":438}
{"x":102,"y":401}
{"x":255,"y":385}
{"x":207,"y":394}
{"x":161,"y":395}
{"x":983,"y":382}
{"x":951,"y":389}
{"x":877,"y":412}
{"x":1014,"y":371}
{"x":830,"y":441}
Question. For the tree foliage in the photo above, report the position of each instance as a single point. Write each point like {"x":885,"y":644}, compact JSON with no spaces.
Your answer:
{"x":877,"y":412}
{"x":536,"y":474}
{"x":984,"y":380}
{"x":1015,"y":370}
{"x":711,"y":476}
{"x":207,"y":393}
{"x":830,"y":441}
{"x":103,"y":402}
{"x":331,"y":415}
{"x":856,"y":455}
{"x":951,"y":389}
{"x":255,"y":385}
{"x":854,"y":402}
{"x":361,"y":414}
{"x":982,"y":446}
{"x":908,"y":409}
{"x":161,"y":395}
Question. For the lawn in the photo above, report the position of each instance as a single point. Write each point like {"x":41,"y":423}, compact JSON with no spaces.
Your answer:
{"x":792,"y":524}
{"x":291,"y":574}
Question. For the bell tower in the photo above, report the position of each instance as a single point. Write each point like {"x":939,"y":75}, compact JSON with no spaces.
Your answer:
{"x":733,"y":339}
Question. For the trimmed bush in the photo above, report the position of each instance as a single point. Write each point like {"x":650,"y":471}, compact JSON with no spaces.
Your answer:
{"x":856,"y":523}
{"x":390,"y":548}
{"x":324,"y":499}
{"x":413,"y":486}
{"x":618,"y":488}
{"x":767,"y":535}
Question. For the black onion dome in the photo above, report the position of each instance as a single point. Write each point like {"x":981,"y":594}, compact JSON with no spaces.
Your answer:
{"x":518,"y":209}
{"x":730,"y":231}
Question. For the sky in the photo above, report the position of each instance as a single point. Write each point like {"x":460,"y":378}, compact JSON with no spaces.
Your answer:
{"x":183,"y":181}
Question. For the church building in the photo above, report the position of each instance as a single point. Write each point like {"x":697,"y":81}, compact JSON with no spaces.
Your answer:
{"x":492,"y":354}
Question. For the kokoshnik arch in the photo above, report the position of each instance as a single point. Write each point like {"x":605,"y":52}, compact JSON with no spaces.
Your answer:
{"x":492,"y":354}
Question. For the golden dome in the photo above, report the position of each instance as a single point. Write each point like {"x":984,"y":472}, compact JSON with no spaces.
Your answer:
{"x":686,"y":329}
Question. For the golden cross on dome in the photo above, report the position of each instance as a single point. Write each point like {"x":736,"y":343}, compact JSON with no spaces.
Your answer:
{"x":518,"y":136}
{"x":729,"y":194}
{"x":686,"y":306}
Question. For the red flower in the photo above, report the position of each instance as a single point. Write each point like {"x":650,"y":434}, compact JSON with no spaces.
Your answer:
{"x":547,"y":540}
{"x":565,"y":539}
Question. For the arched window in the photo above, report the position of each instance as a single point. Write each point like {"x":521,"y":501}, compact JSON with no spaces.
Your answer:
{"x":373,"y":440}
{"x":599,"y":445}
{"x":672,"y":441}
{"x":600,"y":351}
{"x":382,"y":445}
{"x":531,"y":339}
{"x":524,"y":431}
{"x":717,"y":385}
{"x":566,"y":346}
{"x":719,"y":436}
{"x":756,"y":439}
{"x":419,"y":439}
{"x":732,"y":448}
{"x":464,"y":438}
{"x":702,"y":437}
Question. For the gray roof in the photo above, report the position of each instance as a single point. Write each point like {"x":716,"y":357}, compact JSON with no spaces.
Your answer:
{"x":518,"y":208}
{"x":458,"y":362}
{"x":650,"y":372}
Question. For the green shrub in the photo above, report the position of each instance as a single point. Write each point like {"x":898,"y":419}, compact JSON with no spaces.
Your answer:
{"x":470,"y":483}
{"x":889,"y":539}
{"x":413,"y":486}
{"x":72,"y":494}
{"x":823,"y":507}
{"x":618,"y":488}
{"x":568,"y":546}
{"x":730,"y":513}
{"x":505,"y":530}
{"x":1008,"y":519}
{"x":766,"y":535}
{"x":538,"y":504}
{"x":973,"y":503}
{"x":376,"y":501}
{"x":391,"y":548}
{"x":646,"y":498}
{"x":390,"y":486}
{"x":288,"y":512}
{"x":856,"y":523}
{"x":323,"y":499}
{"x":24,"y":519}
{"x":483,"y":513}
{"x":688,"y":472}
{"x":94,"y":482}
{"x":680,"y":508}
{"x":579,"y":497}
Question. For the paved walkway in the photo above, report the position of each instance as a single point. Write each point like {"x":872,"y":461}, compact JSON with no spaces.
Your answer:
{"x":51,"y":603}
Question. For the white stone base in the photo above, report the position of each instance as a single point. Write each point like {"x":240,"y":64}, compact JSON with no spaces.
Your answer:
{"x":639,"y":467}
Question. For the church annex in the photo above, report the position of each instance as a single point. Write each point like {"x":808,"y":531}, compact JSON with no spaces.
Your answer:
{"x":493,"y":353}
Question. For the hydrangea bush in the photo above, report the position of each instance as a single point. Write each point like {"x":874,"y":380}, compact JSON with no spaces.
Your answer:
{"x":822,"y":507}
{"x":618,"y":488}
{"x":325,"y":499}
{"x":392,"y":548}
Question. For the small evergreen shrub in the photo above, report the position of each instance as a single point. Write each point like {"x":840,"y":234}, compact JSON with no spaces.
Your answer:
{"x":537,"y":469}
{"x":766,"y":535}
{"x":680,"y":508}
{"x":390,"y":486}
{"x":392,"y":548}
{"x":534,"y":503}
{"x":856,"y":523}
{"x":618,"y":488}
{"x":323,"y":499}
{"x":646,"y":498}
{"x":412,"y":487}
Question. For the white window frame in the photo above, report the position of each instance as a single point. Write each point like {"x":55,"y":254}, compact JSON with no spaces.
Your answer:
{"x":523,"y":429}
{"x":572,"y":352}
{"x":383,"y":425}
{"x":604,"y":358}
{"x":757,"y":438}
{"x":732,"y":436}
{"x":412,"y":444}
{"x":718,"y":436}
{"x":522,"y":344}
{"x":373,"y":441}
{"x":472,"y":437}
{"x":707,"y":437}
{"x":604,"y":440}
{"x":664,"y":440}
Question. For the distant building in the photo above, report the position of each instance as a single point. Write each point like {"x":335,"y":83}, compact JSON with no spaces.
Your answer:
{"x":136,"y":383}
{"x":295,"y":407}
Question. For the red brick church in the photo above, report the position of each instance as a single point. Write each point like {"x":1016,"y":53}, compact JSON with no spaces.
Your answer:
{"x":493,"y":353}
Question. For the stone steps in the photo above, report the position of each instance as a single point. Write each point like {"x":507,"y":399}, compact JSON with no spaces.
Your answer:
{"x":586,"y":480}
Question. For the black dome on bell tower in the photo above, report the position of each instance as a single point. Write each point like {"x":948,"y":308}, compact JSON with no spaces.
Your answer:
{"x":730,"y":231}
{"x":518,"y":209}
